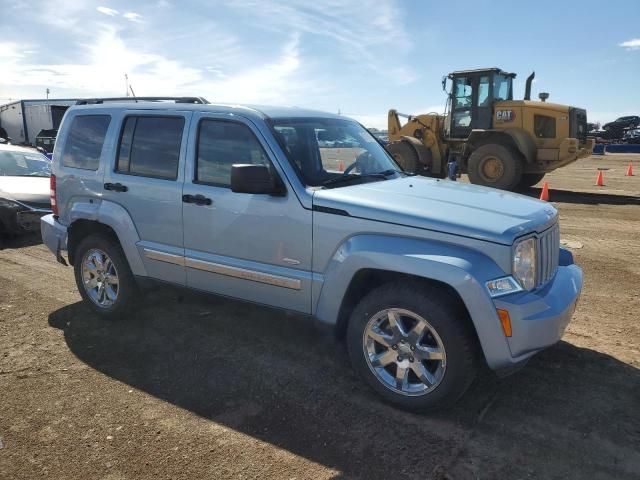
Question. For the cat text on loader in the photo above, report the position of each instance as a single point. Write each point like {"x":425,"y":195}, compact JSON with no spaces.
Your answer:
{"x":498,"y":141}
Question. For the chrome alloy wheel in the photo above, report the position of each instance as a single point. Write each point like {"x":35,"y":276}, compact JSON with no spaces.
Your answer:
{"x":404,"y":352}
{"x":100,"y":278}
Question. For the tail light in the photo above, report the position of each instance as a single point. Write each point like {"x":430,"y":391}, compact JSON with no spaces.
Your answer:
{"x":54,"y":202}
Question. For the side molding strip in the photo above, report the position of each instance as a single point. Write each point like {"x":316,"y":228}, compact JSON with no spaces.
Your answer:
{"x":245,"y":274}
{"x":227,"y":270}
{"x":163,"y":256}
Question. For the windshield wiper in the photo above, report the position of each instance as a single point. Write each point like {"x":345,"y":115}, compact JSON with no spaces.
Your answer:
{"x":352,"y":176}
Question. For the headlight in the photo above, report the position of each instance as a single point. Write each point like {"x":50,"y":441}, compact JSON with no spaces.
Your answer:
{"x":524,"y":263}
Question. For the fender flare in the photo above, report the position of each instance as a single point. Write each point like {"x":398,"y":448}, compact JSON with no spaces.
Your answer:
{"x":462,"y":268}
{"x":116,"y":217}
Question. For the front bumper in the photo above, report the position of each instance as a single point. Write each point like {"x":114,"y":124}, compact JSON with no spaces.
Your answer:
{"x":54,"y":236}
{"x":539,"y":318}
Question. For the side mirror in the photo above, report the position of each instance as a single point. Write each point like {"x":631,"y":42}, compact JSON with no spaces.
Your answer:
{"x":253,"y":179}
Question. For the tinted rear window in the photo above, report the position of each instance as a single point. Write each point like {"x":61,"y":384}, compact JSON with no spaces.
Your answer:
{"x":150,"y":146}
{"x":84,"y":142}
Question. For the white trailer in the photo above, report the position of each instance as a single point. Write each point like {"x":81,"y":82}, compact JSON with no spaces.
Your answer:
{"x":23,"y":119}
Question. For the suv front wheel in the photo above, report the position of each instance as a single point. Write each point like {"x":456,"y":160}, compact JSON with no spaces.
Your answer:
{"x":103,"y":276}
{"x":412,"y":345}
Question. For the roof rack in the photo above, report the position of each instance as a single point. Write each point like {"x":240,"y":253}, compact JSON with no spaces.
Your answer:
{"x":95,"y":101}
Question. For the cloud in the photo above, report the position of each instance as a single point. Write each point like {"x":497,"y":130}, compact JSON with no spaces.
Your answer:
{"x":633,"y":44}
{"x":108,"y":57}
{"x":133,"y":17}
{"x":369,"y":33}
{"x":107,"y":11}
{"x":12,"y":50}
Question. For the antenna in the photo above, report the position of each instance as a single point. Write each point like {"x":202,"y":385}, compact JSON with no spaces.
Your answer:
{"x":133,"y":94}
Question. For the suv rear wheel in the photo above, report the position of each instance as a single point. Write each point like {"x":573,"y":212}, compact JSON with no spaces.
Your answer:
{"x":103,"y":276}
{"x":496,"y":166}
{"x":411,"y":344}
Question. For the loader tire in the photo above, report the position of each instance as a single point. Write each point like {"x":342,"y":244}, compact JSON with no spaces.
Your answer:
{"x":404,"y":155}
{"x":496,"y":166}
{"x":530,"y":179}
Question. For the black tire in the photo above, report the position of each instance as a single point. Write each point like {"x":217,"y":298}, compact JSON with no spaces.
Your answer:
{"x":405,"y":156}
{"x":507,"y":173}
{"x":449,"y":320}
{"x":126,"y":290}
{"x":530,"y":179}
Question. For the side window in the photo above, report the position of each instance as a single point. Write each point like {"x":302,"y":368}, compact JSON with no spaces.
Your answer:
{"x":150,"y":146}
{"x":84,"y":141}
{"x":222,"y":144}
{"x":483,"y":91}
{"x":463,"y":93}
{"x":462,"y":100}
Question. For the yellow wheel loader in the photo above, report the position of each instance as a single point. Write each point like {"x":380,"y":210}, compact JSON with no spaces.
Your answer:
{"x":498,"y":141}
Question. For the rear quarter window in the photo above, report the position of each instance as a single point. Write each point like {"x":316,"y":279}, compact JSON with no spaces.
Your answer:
{"x":84,"y":141}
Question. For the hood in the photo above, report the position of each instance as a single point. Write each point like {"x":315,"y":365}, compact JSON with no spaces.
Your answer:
{"x":443,"y":206}
{"x":33,"y":191}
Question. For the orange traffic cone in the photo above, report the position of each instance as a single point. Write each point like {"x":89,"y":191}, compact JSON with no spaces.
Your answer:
{"x":629,"y":170}
{"x":600,"y":179}
{"x":544,"y":195}
{"x":341,"y":166}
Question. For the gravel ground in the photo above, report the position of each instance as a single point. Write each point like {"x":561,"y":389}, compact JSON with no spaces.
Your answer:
{"x":192,"y":386}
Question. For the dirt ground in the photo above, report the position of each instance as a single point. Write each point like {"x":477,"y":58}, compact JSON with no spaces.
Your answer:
{"x":202,"y":387}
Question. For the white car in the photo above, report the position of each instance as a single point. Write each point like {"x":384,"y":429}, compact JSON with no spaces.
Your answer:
{"x":24,"y":189}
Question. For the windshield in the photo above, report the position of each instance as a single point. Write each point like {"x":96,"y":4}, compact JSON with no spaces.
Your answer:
{"x":23,"y":164}
{"x":322,"y":149}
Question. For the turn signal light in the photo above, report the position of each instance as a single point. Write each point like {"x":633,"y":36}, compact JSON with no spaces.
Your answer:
{"x":505,"y":320}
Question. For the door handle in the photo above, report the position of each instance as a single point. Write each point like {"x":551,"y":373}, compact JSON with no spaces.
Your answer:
{"x":116,"y":187}
{"x":197,"y":199}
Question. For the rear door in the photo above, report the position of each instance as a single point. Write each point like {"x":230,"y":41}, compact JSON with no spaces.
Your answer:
{"x":146,"y":179}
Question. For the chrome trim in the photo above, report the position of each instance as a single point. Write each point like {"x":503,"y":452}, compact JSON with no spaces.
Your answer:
{"x":243,"y":273}
{"x":163,"y":256}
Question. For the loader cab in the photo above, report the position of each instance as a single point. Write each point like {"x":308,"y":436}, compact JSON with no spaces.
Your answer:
{"x":471,"y":98}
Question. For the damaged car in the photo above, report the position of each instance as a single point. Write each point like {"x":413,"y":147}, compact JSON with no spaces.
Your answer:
{"x":24,"y":189}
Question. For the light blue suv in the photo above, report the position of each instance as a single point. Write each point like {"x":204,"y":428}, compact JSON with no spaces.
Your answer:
{"x":424,"y":279}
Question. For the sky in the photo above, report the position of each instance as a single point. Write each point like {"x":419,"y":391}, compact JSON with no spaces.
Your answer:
{"x":358,"y":58}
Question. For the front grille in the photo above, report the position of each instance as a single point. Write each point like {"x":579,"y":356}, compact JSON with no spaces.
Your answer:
{"x":548,"y":254}
{"x":578,"y":124}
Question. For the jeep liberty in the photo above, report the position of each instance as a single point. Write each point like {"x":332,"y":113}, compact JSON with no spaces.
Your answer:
{"x":425,"y":280}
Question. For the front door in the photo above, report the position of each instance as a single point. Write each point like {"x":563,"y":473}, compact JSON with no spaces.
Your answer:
{"x":146,"y":179}
{"x":462,"y":106}
{"x":471,"y":105}
{"x":248,"y":246}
